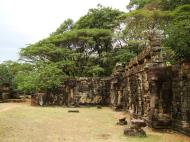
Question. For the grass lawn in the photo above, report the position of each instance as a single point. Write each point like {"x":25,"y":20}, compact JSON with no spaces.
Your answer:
{"x":24,"y":123}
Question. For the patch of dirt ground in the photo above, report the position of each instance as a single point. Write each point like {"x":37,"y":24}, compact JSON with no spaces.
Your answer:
{"x":24,"y":123}
{"x":7,"y":106}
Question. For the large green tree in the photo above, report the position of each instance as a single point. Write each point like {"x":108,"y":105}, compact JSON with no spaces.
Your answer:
{"x":99,"y":18}
{"x":178,"y":33}
{"x":97,"y":41}
{"x":169,"y":16}
{"x":5,"y":74}
{"x":65,"y":26}
{"x":83,"y":48}
{"x":9,"y":70}
{"x":43,"y":77}
{"x":87,"y":41}
{"x":157,"y":4}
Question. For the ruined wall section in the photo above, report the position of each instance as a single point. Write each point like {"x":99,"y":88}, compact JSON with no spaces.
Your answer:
{"x":146,"y":89}
{"x":5,"y":92}
{"x":141,"y":78}
{"x":149,"y":89}
{"x":77,"y":91}
{"x":117,"y":85}
{"x":181,"y":97}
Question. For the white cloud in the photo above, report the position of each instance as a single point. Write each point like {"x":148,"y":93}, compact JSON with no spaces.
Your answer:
{"x":26,"y":21}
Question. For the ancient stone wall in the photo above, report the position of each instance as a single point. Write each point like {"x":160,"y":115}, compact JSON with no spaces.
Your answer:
{"x":117,"y":85}
{"x":4,"y":92}
{"x":146,"y":90}
{"x":149,"y":89}
{"x":78,"y":91}
{"x":181,"y":97}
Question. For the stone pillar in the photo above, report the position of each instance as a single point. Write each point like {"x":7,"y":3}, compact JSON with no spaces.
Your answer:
{"x":5,"y":96}
{"x":153,"y":113}
{"x":129,"y":94}
{"x":140,"y":95}
{"x":146,"y":94}
{"x":69,"y":95}
{"x":119,"y":99}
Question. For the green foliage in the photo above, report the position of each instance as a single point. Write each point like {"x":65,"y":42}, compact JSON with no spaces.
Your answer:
{"x":100,"y":39}
{"x":168,"y":55}
{"x":72,"y":51}
{"x":174,"y":24}
{"x":43,"y":77}
{"x":46,"y":52}
{"x":123,"y":55}
{"x":172,"y":4}
{"x":137,"y":3}
{"x":5,"y":74}
{"x":95,"y":70}
{"x":49,"y":76}
{"x":139,"y":21}
{"x":9,"y":70}
{"x":84,"y":40}
{"x":157,"y":4}
{"x":99,"y":18}
{"x":26,"y":82}
{"x":179,"y":32}
{"x":65,"y":26}
{"x":79,"y":49}
{"x":64,"y":58}
{"x":29,"y":78}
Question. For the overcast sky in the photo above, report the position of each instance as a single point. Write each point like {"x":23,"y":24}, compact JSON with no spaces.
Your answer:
{"x":27,"y":21}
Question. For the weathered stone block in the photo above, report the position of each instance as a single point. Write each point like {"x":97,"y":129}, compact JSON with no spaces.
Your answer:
{"x":134,"y":132}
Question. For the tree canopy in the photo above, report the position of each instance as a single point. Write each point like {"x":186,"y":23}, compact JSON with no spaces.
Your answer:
{"x":178,"y":32}
{"x":93,"y":44}
{"x":99,"y":18}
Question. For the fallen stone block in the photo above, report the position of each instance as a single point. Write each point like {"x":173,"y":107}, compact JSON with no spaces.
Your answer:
{"x":74,"y":111}
{"x":122,"y":121}
{"x":99,"y":107}
{"x":138,"y":123}
{"x":134,"y":132}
